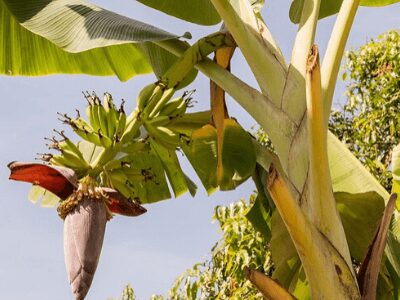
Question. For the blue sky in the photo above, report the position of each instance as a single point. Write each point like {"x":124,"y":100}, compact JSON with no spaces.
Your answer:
{"x":150,"y":251}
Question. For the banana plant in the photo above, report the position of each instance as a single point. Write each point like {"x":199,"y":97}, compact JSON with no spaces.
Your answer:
{"x":311,"y":186}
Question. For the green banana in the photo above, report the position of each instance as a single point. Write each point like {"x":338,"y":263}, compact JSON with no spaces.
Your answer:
{"x":112,"y":115}
{"x":166,"y":96}
{"x":175,"y":107}
{"x":190,"y":122}
{"x":66,"y":161}
{"x":135,"y":147}
{"x":160,"y":121}
{"x":105,"y":141}
{"x":164,"y":136}
{"x":152,"y":102}
{"x":93,"y":113}
{"x":121,"y":123}
{"x":144,"y":96}
{"x":102,"y":119}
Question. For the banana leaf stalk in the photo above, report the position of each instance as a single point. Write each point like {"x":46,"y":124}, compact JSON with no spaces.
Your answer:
{"x":85,"y":208}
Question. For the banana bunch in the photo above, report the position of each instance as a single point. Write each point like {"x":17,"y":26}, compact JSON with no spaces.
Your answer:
{"x":120,"y":175}
{"x":106,"y":124}
{"x":70,"y":156}
{"x":157,"y":110}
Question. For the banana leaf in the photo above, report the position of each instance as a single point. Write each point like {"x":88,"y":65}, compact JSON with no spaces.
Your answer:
{"x":178,"y":180}
{"x":98,"y":42}
{"x":196,"y":11}
{"x":330,"y":7}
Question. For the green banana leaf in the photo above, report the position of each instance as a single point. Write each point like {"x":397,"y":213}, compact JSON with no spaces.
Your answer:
{"x":99,"y":42}
{"x":330,"y":7}
{"x":202,"y":155}
{"x":46,"y":198}
{"x":173,"y":169}
{"x":156,"y":189}
{"x":196,"y":11}
{"x":396,"y":174}
{"x":288,"y":270}
{"x":236,"y":144}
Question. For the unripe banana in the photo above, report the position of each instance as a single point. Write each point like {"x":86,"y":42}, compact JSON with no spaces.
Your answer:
{"x":112,"y":114}
{"x":174,"y":107}
{"x":144,"y":96}
{"x":94,"y":114}
{"x":135,"y":147}
{"x":166,"y":96}
{"x":102,"y":119}
{"x":152,"y":102}
{"x":121,"y":124}
{"x":66,"y":161}
{"x":105,"y":141}
{"x":164,"y":136}
{"x":159,"y":121}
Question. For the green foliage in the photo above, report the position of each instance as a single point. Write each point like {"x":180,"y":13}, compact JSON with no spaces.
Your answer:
{"x":368,"y":123}
{"x":32,"y":47}
{"x":209,"y":279}
{"x":330,"y":7}
{"x":222,"y":277}
{"x":195,"y":11}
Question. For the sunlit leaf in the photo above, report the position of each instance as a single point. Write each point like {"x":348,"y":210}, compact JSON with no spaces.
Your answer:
{"x":151,"y":190}
{"x":195,"y":11}
{"x":202,"y":154}
{"x":330,"y":7}
{"x":173,"y":169}
{"x":236,"y":144}
{"x":32,"y":30}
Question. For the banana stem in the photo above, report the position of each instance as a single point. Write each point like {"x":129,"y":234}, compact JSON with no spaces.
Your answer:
{"x":329,"y":275}
{"x":321,"y":206}
{"x":335,"y":49}
{"x":194,"y":54}
{"x":293,"y":99}
{"x":261,"y":54}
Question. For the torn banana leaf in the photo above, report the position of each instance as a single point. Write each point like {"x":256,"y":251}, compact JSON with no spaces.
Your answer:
{"x":233,"y":170}
{"x":172,"y":167}
{"x":202,"y":154}
{"x":151,"y":190}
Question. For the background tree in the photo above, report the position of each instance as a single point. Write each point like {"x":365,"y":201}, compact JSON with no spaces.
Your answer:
{"x":368,"y":123}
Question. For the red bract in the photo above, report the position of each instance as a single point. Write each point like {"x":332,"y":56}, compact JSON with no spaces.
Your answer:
{"x":62,"y":182}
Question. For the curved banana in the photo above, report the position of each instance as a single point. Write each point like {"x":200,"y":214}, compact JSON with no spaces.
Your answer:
{"x":152,"y":102}
{"x":164,"y":136}
{"x":121,"y":124}
{"x":144,"y":96}
{"x":174,"y":107}
{"x":111,"y":114}
{"x":102,"y":119}
{"x":166,"y":96}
